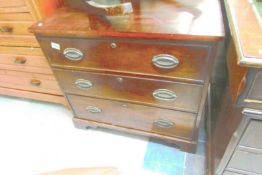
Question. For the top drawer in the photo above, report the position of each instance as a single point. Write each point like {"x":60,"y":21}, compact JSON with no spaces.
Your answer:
{"x":251,"y":95}
{"x":139,"y":57}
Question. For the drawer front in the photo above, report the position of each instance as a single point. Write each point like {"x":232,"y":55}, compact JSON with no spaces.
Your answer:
{"x":251,"y":137}
{"x":11,"y":3}
{"x":255,"y":92}
{"x":28,"y":51}
{"x":140,"y":57}
{"x":15,"y":28}
{"x":164,"y":94}
{"x":16,"y":17}
{"x":150,"y":119}
{"x":251,"y":93}
{"x":25,"y":63}
{"x":18,"y":41}
{"x":243,"y":161}
{"x":29,"y":81}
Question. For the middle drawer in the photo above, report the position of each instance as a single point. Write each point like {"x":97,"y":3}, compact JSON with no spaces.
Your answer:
{"x":165,"y":94}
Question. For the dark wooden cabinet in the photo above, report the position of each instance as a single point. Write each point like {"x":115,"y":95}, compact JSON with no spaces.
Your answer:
{"x":145,"y":73}
{"x":244,"y":151}
{"x":236,"y":139}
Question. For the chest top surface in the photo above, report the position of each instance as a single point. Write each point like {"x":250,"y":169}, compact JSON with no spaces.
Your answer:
{"x":170,"y":19}
{"x":246,"y":31}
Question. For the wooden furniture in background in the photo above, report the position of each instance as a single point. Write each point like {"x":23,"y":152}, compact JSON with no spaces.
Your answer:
{"x":24,"y":71}
{"x":146,"y":73}
{"x":236,"y":139}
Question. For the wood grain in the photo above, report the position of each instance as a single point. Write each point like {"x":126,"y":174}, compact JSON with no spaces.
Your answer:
{"x":16,"y":17}
{"x":34,"y":64}
{"x":28,"y":51}
{"x":18,"y":9}
{"x":33,"y":95}
{"x":18,"y":41}
{"x":22,"y":81}
{"x":11,"y":3}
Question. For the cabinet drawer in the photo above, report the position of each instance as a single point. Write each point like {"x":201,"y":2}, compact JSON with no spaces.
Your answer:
{"x":15,"y":28}
{"x":253,"y":133}
{"x":28,"y":51}
{"x":16,"y":17}
{"x":11,"y":3}
{"x":26,"y":63}
{"x":139,"y":117}
{"x":164,"y":94}
{"x":18,"y":41}
{"x":140,"y":57}
{"x":243,"y":161}
{"x":255,"y":91}
{"x":29,"y":81}
{"x":251,"y":93}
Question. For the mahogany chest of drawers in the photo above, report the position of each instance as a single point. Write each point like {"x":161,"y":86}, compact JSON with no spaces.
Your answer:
{"x":146,"y":73}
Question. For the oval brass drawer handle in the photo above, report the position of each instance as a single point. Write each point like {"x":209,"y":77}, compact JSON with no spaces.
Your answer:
{"x":165,"y":61}
{"x":163,"y":123}
{"x":73,"y":54}
{"x":20,"y":60}
{"x":35,"y":82}
{"x":83,"y":84}
{"x":164,"y":94}
{"x":6,"y":29}
{"x":93,"y":109}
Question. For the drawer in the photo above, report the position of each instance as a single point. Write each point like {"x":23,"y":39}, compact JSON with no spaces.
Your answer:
{"x":165,"y":122}
{"x":18,"y":41}
{"x":245,"y":162}
{"x":15,"y":28}
{"x":165,"y":94}
{"x":253,"y":133}
{"x":28,"y":51}
{"x":251,"y":93}
{"x":25,"y":63}
{"x":29,"y":81}
{"x":16,"y":17}
{"x":153,"y":58}
{"x":11,"y":3}
{"x":33,"y":95}
{"x":255,"y":91}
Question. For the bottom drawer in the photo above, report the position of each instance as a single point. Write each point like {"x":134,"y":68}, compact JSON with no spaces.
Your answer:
{"x":138,"y":117}
{"x":34,"y":82}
